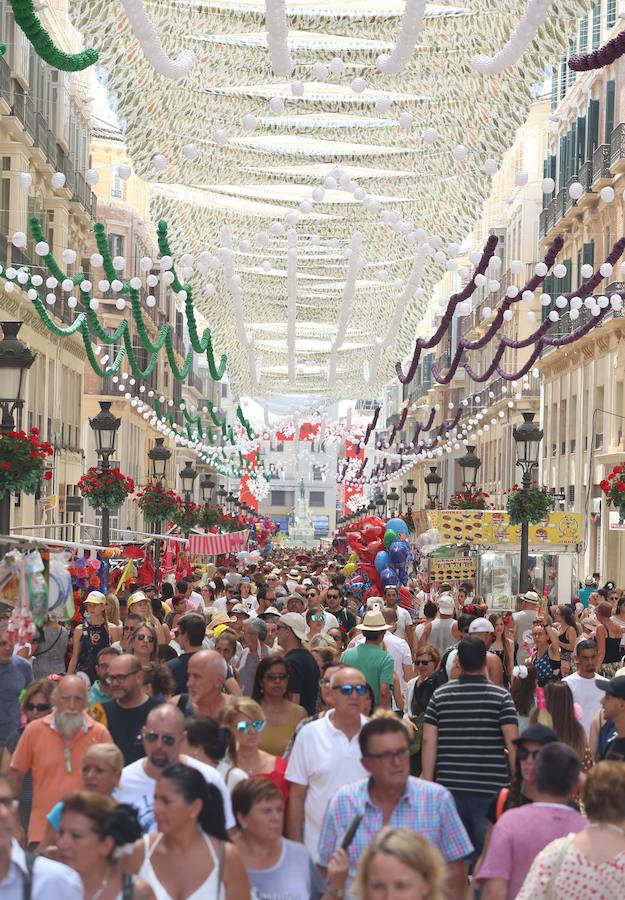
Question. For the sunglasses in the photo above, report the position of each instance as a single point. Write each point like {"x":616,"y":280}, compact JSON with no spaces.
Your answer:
{"x":122,"y":677}
{"x":317,"y":618}
{"x":348,"y":689}
{"x":276,"y":677}
{"x":245,"y":727}
{"x":37,"y":707}
{"x":146,"y":637}
{"x":333,"y":596}
{"x":523,"y":753}
{"x":311,"y":595}
{"x":423,"y":662}
{"x":153,"y":736}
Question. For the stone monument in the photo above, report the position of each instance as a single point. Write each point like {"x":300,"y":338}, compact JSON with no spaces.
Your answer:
{"x":301,"y":528}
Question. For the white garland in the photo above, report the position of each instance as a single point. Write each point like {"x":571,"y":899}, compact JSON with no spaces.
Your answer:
{"x":151,"y":45}
{"x":346,"y":305}
{"x":291,"y":301}
{"x":411,"y":24}
{"x":277,"y":37}
{"x":520,"y":39}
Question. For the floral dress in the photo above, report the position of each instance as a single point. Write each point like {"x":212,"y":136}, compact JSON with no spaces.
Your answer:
{"x":562,"y":872}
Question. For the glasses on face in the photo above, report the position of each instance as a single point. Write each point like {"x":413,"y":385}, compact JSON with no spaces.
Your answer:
{"x":423,"y":662}
{"x":37,"y":707}
{"x":324,"y":682}
{"x":317,"y":618}
{"x":123,"y":676}
{"x":524,"y":753}
{"x":245,"y":727}
{"x":311,"y":595}
{"x":333,"y":596}
{"x":146,"y":637}
{"x":390,"y":755}
{"x":348,"y":689}
{"x":153,"y":736}
{"x":276,"y":676}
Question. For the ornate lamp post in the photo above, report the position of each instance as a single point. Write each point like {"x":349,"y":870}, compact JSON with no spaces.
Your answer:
{"x":380,"y":503}
{"x":159,"y":456}
{"x":105,"y":426}
{"x":528,"y":437}
{"x":15,"y":359}
{"x":469,"y":464}
{"x":188,"y":476}
{"x":392,"y":502}
{"x":433,"y":483}
{"x":409,"y":493}
{"x":206,"y":487}
{"x":222,"y":493}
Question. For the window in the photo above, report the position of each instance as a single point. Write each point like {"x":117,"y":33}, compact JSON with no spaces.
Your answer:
{"x":609,"y":110}
{"x":317,"y":473}
{"x":571,"y":494}
{"x":283,"y":498}
{"x":583,"y":35}
{"x":596,"y":24}
{"x":317,"y":498}
{"x":116,"y":244}
{"x":610,"y":13}
{"x":117,"y":185}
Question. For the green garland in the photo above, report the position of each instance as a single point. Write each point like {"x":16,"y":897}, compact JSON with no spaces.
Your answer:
{"x":43,"y":44}
{"x":245,"y":423}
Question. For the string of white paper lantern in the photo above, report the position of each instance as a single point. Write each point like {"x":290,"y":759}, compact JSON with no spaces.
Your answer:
{"x":520,"y":39}
{"x":151,"y":45}
{"x":291,"y":301}
{"x":349,"y":292}
{"x":277,"y":37}
{"x":411,"y":23}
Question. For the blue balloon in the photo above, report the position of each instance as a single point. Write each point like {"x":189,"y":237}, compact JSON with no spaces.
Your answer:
{"x":382,"y":560}
{"x":399,"y":526}
{"x":398,"y":552}
{"x":389,"y":578}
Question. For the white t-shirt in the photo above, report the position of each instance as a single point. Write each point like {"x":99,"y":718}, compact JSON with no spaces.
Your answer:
{"x":195,"y":601}
{"x":523,"y":622}
{"x":323,"y":760}
{"x":403,"y":619}
{"x":587,"y":695}
{"x":137,"y":788}
{"x":400,"y":651}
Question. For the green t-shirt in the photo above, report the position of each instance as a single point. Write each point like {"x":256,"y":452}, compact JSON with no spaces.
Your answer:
{"x":374,"y":663}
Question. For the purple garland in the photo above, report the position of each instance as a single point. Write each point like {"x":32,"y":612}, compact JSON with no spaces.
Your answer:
{"x":599,"y":59}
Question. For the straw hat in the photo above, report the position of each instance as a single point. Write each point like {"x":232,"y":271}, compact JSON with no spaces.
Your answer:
{"x":221,"y":618}
{"x":373,"y":621}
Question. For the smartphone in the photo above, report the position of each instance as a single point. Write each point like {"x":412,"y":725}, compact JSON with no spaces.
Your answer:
{"x":350,"y":834}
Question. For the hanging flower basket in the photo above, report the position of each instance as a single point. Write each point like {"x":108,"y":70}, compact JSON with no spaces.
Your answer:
{"x":614,"y":489}
{"x":529,"y":505}
{"x":22,"y":462}
{"x":158,"y":504}
{"x":187,"y":516}
{"x":105,"y":488}
{"x":469,"y":500}
{"x":209,"y":517}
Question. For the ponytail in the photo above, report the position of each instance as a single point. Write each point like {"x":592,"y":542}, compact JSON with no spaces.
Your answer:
{"x":192,"y":786}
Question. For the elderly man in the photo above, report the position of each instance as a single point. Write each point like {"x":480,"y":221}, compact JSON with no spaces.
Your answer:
{"x":47,"y":878}
{"x":254,"y":633}
{"x":207,"y":674}
{"x":52,"y":748}
{"x":163,"y":733}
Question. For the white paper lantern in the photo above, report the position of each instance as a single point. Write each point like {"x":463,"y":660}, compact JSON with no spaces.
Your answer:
{"x":37,"y":280}
{"x":406,"y":120}
{"x":150,"y":300}
{"x":606,"y":269}
{"x":607,"y":194}
{"x":586,"y":270}
{"x":540,"y":269}
{"x":559,"y":270}
{"x":25,"y":179}
{"x":104,"y":285}
{"x":92,"y":177}
{"x":336,"y":65}
{"x":120,"y":303}
{"x":459,"y":152}
{"x":486,"y":312}
{"x":574,"y":314}
{"x":490,"y":166}
{"x":190,"y":152}
{"x":124,"y":171}
{"x":96,"y":260}
{"x":276,"y":105}
{"x":382,"y":105}
{"x":520,"y":179}
{"x":57,"y":180}
{"x":430,"y":135}
{"x":221,"y":137}
{"x":358,"y":85}
{"x":67,"y":284}
{"x":19,"y":239}
{"x":118,"y":263}
{"x":69,"y":256}
{"x":576,"y":190}
{"x":135,"y":283}
{"x":42,"y":248}
{"x":249,"y":121}
{"x":547,"y":185}
{"x":319,"y":71}
{"x":94,"y":303}
{"x":297,"y":88}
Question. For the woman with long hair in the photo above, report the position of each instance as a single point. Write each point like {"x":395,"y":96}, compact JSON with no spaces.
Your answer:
{"x":141,"y":606}
{"x":246,"y":721}
{"x":419,"y":692}
{"x":560,"y":710}
{"x":226,"y":646}
{"x":90,"y":637}
{"x":189,"y":856}
{"x":112,"y":613}
{"x":546,"y":654}
{"x":608,"y":637}
{"x":276,"y":866}
{"x":316,"y":621}
{"x":502,"y":646}
{"x":281,"y":714}
{"x":214,"y":744}
{"x":568,"y":630}
{"x":92,"y":827}
{"x":523,"y":693}
{"x":143,"y":643}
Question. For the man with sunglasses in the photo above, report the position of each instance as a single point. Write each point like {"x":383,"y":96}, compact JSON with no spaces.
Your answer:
{"x":125,"y":714}
{"x":391,"y":796}
{"x":162,"y":736}
{"x":344,"y":618}
{"x":324,"y":758}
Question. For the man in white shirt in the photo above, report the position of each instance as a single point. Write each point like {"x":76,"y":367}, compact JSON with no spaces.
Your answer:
{"x":399,"y":650}
{"x":193,"y":598}
{"x":49,"y":878}
{"x":233,"y":577}
{"x":405,"y":627}
{"x":325,"y":757}
{"x":163,"y":734}
{"x":523,"y":622}
{"x":583,"y":682}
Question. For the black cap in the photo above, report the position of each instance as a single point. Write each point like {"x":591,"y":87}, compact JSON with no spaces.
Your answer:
{"x":538,"y":733}
{"x":615,"y":687}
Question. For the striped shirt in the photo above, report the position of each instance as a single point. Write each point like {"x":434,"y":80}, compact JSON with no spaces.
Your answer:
{"x":469,"y":714}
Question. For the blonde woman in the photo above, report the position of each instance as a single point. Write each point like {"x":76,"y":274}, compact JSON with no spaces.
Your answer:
{"x":141,"y":606}
{"x":112,"y":615}
{"x":398,"y":863}
{"x":246,"y":721}
{"x":144,"y":643}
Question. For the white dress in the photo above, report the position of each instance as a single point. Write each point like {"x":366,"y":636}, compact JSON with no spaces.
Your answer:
{"x":212,"y":889}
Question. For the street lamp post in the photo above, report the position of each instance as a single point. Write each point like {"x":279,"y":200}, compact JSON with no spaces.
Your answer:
{"x":222,"y":493}
{"x":159,"y":456}
{"x":188,"y":476}
{"x":528,"y":437}
{"x":15,"y":359}
{"x":105,"y":426}
{"x":380,"y":502}
{"x":392,"y":501}
{"x":409,"y":494}
{"x":433,"y":483}
{"x":206,"y":487}
{"x":469,"y":464}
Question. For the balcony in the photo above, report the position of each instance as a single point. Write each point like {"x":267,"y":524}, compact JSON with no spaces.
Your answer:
{"x":5,"y":80}
{"x":601,"y":165}
{"x":617,"y":149}
{"x":194,"y":381}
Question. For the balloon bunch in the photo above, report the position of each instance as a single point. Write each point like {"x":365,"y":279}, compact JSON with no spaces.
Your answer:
{"x":383,"y":553}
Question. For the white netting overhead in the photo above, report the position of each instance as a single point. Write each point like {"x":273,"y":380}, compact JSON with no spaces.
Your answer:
{"x":251,"y":111}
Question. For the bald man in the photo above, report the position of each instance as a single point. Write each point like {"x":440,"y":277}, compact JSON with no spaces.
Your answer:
{"x":163,"y":734}
{"x":205,"y":680}
{"x":52,"y":748}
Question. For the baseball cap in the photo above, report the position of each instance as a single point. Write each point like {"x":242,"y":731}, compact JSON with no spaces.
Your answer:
{"x":137,"y":597}
{"x":307,"y":582}
{"x":480,"y":625}
{"x":95,"y":597}
{"x":446,"y":604}
{"x":539,"y":733}
{"x":615,"y":687}
{"x":296,"y":623}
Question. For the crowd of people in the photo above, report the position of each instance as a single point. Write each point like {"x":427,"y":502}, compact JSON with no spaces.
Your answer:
{"x":265,"y":731}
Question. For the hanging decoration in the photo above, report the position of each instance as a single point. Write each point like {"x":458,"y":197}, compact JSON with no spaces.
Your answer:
{"x":105,"y":488}
{"x":42,"y":43}
{"x":22,"y":462}
{"x":151,"y":45}
{"x":520,"y":39}
{"x":277,"y":37}
{"x":187,"y":516}
{"x":613,"y":488}
{"x":411,"y":23}
{"x":529,"y":504}
{"x":600,"y":58}
{"x":157,"y":503}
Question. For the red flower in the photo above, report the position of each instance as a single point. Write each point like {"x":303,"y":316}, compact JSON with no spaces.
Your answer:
{"x":34,"y":430}
{"x":5,"y":466}
{"x":620,"y":486}
{"x":618,"y":470}
{"x":48,"y":474}
{"x":604,"y":485}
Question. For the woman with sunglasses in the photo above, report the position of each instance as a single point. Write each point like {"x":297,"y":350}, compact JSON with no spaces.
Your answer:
{"x":339,"y":637}
{"x":316,"y":621}
{"x":419,"y":691}
{"x":36,"y":703}
{"x":90,"y":637}
{"x":246,"y":721}
{"x":281,"y":714}
{"x":144,"y":643}
{"x":141,"y":606}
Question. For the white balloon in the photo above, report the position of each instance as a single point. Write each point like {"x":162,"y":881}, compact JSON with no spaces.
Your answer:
{"x":576,"y":190}
{"x":249,"y":121}
{"x":490,"y":166}
{"x":406,"y":120}
{"x":459,"y":152}
{"x":159,"y":162}
{"x":607,"y":194}
{"x":221,"y":137}
{"x":520,"y":179}
{"x":336,"y":66}
{"x":124,"y":171}
{"x":276,"y":105}
{"x":430,"y":135}
{"x":297,"y":88}
{"x":319,"y":71}
{"x":359,"y":85}
{"x":382,"y":105}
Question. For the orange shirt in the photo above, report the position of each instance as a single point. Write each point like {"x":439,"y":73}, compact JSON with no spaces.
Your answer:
{"x":41,"y":750}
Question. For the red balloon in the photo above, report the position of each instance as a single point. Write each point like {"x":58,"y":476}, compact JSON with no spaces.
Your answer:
{"x":375,"y":546}
{"x":372,"y":531}
{"x":375,"y":520}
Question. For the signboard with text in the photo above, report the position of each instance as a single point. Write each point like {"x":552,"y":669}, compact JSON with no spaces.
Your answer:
{"x":473,"y":526}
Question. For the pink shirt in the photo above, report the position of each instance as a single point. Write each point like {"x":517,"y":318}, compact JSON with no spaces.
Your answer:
{"x":520,"y":834}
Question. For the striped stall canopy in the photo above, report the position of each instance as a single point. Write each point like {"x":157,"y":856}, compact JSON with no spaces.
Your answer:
{"x":215,"y":544}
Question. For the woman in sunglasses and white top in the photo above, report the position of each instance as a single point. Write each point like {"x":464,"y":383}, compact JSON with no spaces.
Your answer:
{"x":246,"y":720}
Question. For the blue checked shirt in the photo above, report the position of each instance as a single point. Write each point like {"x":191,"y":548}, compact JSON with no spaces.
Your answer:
{"x":425,"y":807}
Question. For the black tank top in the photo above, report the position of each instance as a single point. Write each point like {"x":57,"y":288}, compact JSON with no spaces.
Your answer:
{"x":93,"y":639}
{"x":612,"y":649}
